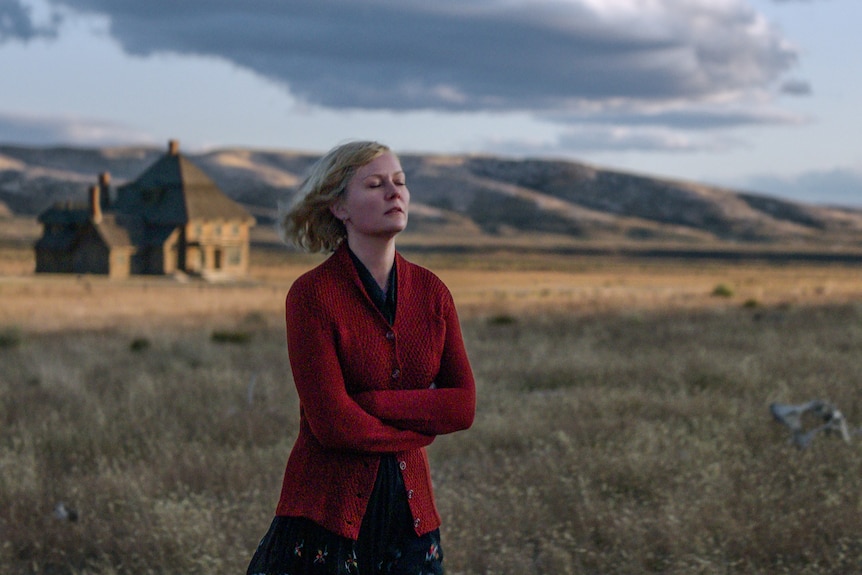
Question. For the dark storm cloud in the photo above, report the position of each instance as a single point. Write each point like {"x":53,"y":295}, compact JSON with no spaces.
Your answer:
{"x":16,"y":23}
{"x":468,"y":55}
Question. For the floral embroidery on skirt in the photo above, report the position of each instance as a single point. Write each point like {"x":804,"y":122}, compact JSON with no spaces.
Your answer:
{"x":297,"y":546}
{"x":387,"y":543}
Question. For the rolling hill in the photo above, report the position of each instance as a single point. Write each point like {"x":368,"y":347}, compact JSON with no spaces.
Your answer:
{"x":472,"y":199}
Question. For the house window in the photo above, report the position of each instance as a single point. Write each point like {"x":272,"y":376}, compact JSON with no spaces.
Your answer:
{"x":234,"y":256}
{"x":218,"y":230}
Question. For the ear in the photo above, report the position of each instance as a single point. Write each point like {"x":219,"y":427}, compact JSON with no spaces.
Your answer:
{"x":338,"y":210}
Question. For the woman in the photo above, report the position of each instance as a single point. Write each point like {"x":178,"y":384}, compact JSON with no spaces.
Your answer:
{"x":380,"y":368}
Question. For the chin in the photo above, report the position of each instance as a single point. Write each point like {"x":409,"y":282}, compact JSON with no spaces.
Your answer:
{"x":400,"y":226}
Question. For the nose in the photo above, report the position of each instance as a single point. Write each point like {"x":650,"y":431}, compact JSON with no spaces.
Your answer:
{"x":392,"y":191}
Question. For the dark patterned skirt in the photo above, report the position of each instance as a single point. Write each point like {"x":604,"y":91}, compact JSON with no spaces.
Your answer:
{"x":387,"y":543}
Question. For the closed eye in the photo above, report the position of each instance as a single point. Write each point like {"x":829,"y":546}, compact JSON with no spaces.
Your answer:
{"x":379,"y":180}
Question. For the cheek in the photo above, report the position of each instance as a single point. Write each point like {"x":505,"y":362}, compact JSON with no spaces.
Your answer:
{"x":356,"y":203}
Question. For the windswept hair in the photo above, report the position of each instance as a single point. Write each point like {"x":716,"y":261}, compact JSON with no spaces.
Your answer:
{"x":309,"y":222}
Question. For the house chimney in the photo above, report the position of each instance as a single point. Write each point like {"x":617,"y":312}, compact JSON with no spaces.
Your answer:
{"x":173,"y":147}
{"x":95,"y":205}
{"x":104,"y":190}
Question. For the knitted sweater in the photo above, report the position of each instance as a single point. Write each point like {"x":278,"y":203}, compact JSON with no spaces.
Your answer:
{"x":365,"y":389}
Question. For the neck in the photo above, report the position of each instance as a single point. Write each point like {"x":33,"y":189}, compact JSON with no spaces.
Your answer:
{"x":378,"y":255}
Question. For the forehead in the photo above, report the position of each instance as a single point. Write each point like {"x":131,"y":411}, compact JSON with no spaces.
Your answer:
{"x":383,"y":165}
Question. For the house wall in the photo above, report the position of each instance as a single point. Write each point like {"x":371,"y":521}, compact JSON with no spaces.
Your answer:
{"x":120,"y":263}
{"x":194,"y":259}
{"x":220,"y":246}
{"x":155,"y":260}
{"x":90,"y":255}
{"x":147,"y":261}
{"x":49,"y":257}
{"x":53,"y":261}
{"x":237,"y":258}
{"x":201,"y":247}
{"x":170,"y":254}
{"x":245,"y":256}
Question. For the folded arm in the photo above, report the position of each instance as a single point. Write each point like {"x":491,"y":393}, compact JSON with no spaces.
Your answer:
{"x":446,"y":406}
{"x":336,"y":419}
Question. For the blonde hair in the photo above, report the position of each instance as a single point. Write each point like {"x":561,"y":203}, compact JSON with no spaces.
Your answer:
{"x":309,"y":223}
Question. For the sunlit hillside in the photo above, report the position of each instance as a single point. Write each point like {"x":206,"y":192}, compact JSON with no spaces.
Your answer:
{"x":475,"y":200}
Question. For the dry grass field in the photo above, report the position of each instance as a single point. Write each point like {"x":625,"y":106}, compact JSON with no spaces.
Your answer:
{"x":622,"y":427}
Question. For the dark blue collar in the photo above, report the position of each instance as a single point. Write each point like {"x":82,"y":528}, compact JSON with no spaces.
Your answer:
{"x":385,"y":302}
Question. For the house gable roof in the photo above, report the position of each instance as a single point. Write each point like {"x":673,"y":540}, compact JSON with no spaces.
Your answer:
{"x":147,"y":215}
{"x":60,"y":241}
{"x":174,"y":191}
{"x":65,"y":214}
{"x":115,"y":232}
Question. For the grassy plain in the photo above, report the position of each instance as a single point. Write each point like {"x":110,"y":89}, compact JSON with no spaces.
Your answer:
{"x":622,"y":423}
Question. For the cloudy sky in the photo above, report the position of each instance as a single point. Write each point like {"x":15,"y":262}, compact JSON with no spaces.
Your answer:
{"x":753,"y":94}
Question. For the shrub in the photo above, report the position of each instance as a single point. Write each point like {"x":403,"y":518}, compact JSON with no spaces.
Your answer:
{"x":722,"y":290}
{"x":139,"y":344}
{"x":502,"y":319}
{"x":225,"y":336}
{"x":10,"y":337}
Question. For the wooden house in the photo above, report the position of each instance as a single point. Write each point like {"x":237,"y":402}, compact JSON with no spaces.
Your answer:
{"x":172,"y":219}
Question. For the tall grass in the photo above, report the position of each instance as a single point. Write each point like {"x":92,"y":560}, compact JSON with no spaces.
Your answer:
{"x":614,"y":443}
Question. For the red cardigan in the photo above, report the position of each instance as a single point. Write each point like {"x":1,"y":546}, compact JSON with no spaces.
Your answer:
{"x":365,"y":389}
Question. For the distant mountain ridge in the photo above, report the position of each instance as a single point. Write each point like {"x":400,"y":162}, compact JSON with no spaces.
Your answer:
{"x":476,"y":196}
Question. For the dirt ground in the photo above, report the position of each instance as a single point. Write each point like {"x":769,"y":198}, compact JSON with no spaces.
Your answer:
{"x":49,"y":303}
{"x":483,"y":283}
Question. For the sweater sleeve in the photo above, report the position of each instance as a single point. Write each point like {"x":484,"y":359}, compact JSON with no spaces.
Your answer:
{"x":335,"y":419}
{"x":447,"y":406}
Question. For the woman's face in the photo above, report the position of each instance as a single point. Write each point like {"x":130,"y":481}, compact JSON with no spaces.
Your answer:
{"x":376,"y":200}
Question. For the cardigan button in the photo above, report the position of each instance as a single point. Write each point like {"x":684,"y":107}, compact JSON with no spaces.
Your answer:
{"x":410,"y":494}
{"x":416,"y":522}
{"x":396,"y":373}
{"x":402,"y":465}
{"x":390,"y":335}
